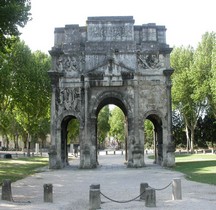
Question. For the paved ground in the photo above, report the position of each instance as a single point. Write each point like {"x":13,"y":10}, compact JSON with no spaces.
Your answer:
{"x":71,"y":188}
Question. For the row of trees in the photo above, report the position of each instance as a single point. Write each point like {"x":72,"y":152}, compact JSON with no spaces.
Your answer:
{"x":24,"y":83}
{"x":194,"y":93}
{"x":24,"y":94}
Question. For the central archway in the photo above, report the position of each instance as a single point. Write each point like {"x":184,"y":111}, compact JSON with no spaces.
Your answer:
{"x":118,"y":103}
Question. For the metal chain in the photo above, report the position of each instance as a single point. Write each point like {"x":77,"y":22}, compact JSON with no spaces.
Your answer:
{"x":161,"y":188}
{"x":127,"y":201}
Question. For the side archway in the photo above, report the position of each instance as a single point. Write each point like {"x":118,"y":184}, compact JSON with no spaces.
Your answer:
{"x":156,"y":119}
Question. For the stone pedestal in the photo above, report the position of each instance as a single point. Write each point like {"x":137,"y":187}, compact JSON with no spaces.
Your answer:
{"x":94,"y":197}
{"x":52,"y":157}
{"x":143,"y":187}
{"x":150,"y":198}
{"x":48,"y":193}
{"x":176,"y":189}
{"x":6,"y":190}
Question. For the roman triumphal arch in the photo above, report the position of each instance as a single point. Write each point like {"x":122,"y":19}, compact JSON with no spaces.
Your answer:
{"x":111,"y":60}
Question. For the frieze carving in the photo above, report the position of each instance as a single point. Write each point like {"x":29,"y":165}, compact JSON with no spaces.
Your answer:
{"x":69,"y":99}
{"x":67,"y":63}
{"x":113,"y":32}
{"x":148,"y":61}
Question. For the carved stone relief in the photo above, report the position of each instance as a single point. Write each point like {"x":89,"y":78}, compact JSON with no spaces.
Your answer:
{"x":67,"y":63}
{"x":69,"y":99}
{"x":148,"y":61}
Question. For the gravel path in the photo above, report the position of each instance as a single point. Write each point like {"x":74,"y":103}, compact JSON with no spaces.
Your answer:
{"x":71,"y":188}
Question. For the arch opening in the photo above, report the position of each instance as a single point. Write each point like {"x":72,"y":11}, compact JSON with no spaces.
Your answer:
{"x":154,"y":137}
{"x":111,"y":116}
{"x":70,"y":127}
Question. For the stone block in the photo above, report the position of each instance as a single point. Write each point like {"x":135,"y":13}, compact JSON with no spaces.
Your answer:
{"x":48,"y":193}
{"x":150,"y":198}
{"x":6,"y":190}
{"x":143,"y":187}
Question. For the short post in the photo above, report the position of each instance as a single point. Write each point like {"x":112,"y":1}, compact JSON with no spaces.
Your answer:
{"x":176,"y":189}
{"x":143,"y":187}
{"x":94,"y":197}
{"x":150,"y":199}
{"x":6,"y":190}
{"x":48,"y":193}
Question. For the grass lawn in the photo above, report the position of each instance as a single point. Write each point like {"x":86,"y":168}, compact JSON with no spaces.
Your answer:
{"x":197,"y":167}
{"x":15,"y":169}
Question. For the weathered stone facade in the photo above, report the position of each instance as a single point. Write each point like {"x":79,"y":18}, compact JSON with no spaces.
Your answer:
{"x":111,"y":61}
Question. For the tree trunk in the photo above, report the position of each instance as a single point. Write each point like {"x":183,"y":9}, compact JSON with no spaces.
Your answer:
{"x":192,"y":140}
{"x":188,"y":138}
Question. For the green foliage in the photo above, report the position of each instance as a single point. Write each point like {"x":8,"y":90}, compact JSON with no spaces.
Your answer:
{"x":149,"y":138}
{"x":25,"y":92}
{"x":13,"y":14}
{"x":73,"y":132}
{"x":103,"y":126}
{"x":117,"y":124}
{"x":193,"y":85}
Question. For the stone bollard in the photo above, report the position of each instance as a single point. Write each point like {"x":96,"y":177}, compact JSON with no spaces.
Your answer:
{"x":143,"y":187}
{"x":6,"y":190}
{"x":176,"y":189}
{"x":94,"y":197}
{"x":150,"y":198}
{"x":48,"y":193}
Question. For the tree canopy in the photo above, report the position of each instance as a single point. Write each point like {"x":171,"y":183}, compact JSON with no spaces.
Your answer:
{"x":13,"y":14}
{"x":193,"y":86}
{"x":25,"y":93}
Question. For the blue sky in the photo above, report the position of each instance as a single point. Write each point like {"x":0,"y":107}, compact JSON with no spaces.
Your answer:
{"x":186,"y":20}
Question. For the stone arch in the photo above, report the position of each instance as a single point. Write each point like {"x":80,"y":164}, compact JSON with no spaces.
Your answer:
{"x":158,"y":121}
{"x":61,"y":130}
{"x":108,"y":97}
{"x":65,"y":114}
{"x":116,"y":98}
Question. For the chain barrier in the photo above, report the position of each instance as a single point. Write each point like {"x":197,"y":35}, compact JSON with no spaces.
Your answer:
{"x":161,"y":188}
{"x":127,"y":201}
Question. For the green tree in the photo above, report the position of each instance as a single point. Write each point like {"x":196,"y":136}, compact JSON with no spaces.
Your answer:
{"x":183,"y":88}
{"x":103,"y":126}
{"x":30,"y":90}
{"x":73,"y":131}
{"x":117,"y":125}
{"x":148,"y":131}
{"x":13,"y":14}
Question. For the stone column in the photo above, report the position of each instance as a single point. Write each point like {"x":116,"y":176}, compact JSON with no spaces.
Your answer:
{"x":169,"y":157}
{"x":137,"y":145}
{"x":54,"y":76}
